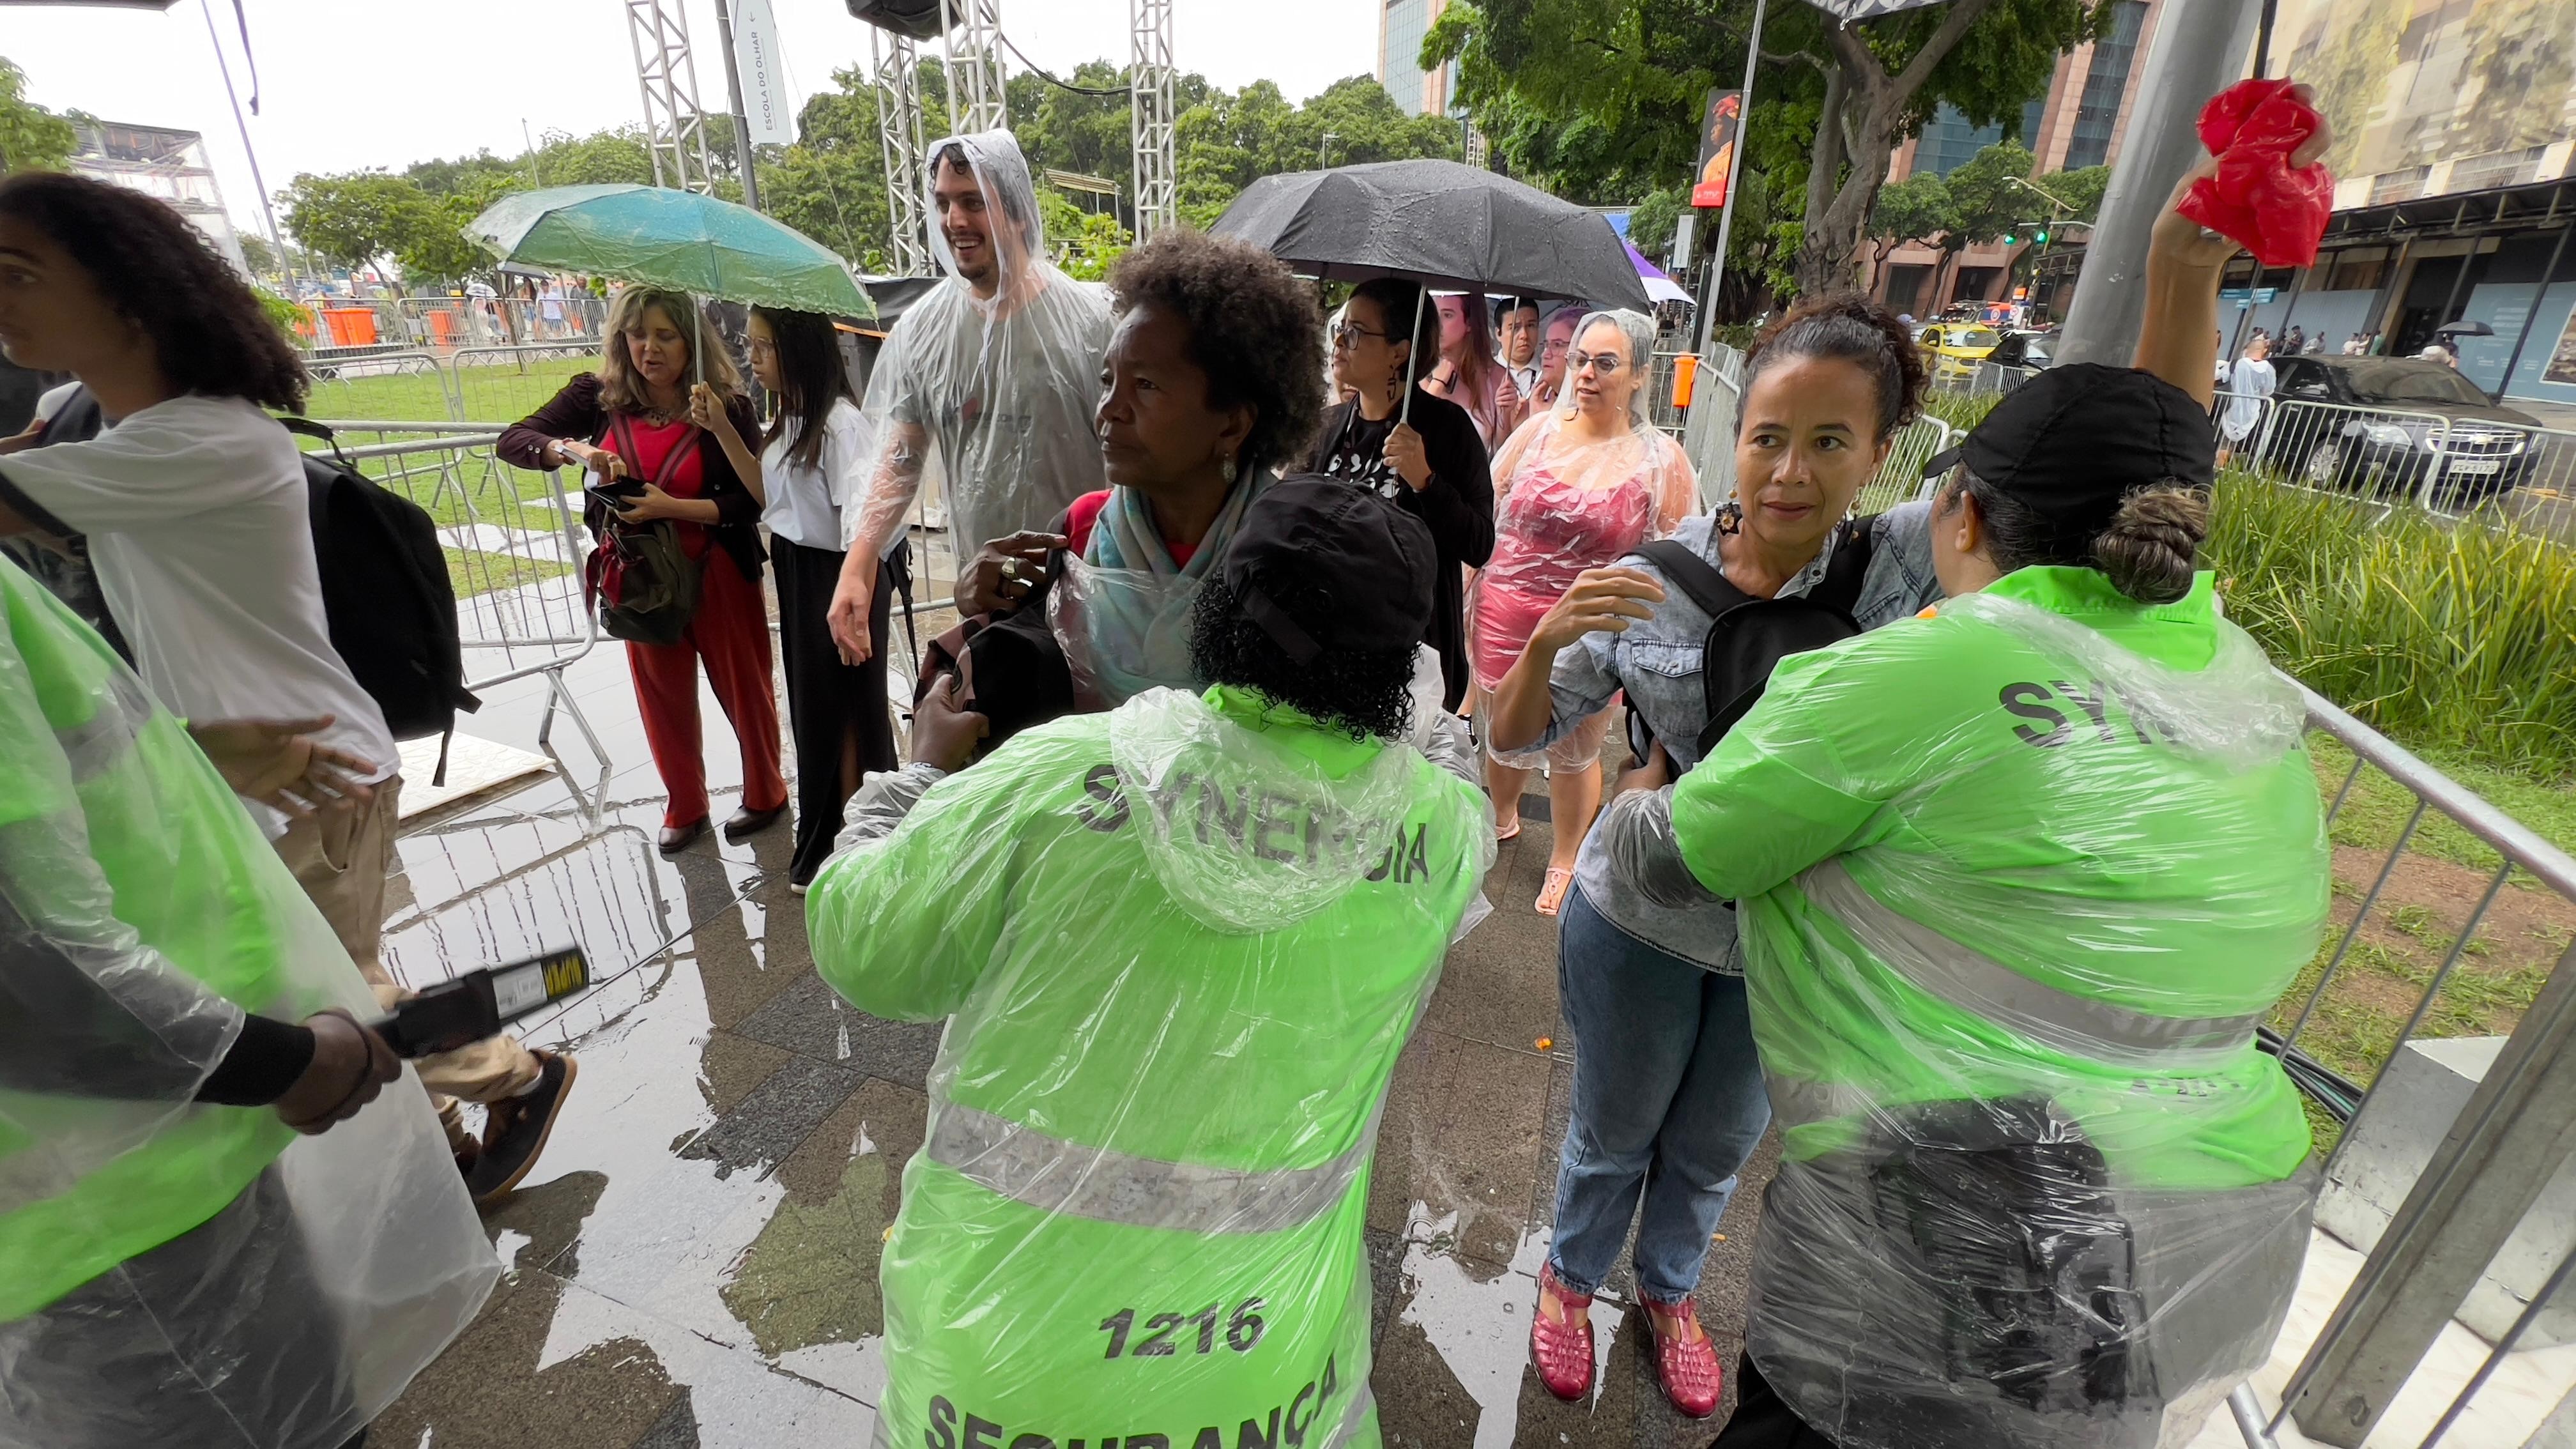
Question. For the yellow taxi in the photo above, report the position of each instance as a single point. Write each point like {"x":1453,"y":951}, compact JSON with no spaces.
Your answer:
{"x":1952,"y":350}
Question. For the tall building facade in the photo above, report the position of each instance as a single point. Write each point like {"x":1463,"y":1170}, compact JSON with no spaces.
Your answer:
{"x":161,"y":162}
{"x":1400,"y":27}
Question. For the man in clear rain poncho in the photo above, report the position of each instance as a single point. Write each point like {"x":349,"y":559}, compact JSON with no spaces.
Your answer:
{"x":177,"y":1265}
{"x":994,"y":374}
{"x":1180,"y":945}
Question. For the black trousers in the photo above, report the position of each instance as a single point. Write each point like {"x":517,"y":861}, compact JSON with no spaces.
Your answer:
{"x":829,"y":702}
{"x":1763,"y":1420}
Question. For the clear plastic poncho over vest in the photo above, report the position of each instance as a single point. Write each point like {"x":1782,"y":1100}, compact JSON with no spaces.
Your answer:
{"x":1182,"y":943}
{"x":994,"y":394}
{"x":162,"y":1261}
{"x":2016,"y":885}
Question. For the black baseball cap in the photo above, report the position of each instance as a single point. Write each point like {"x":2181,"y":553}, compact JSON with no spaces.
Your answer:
{"x":1308,"y":536}
{"x":2075,"y":440}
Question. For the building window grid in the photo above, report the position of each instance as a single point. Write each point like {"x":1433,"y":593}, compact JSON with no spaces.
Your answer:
{"x":2097,"y":113}
{"x":1400,"y":64}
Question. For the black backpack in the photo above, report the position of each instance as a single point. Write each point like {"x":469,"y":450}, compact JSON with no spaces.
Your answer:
{"x":1750,"y":636}
{"x":386,"y":594}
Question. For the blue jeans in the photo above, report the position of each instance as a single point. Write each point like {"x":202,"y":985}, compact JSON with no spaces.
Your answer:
{"x":1668,"y":1103}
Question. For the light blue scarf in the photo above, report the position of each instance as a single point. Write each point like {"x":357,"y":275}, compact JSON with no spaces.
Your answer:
{"x":1122,"y":611}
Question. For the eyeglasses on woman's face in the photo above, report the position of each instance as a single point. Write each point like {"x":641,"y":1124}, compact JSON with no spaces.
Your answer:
{"x":1603,"y":364}
{"x":1348,"y":334}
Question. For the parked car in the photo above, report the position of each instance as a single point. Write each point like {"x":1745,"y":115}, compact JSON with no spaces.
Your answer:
{"x":2029,"y":351}
{"x":1953,"y":349}
{"x":2393,"y":424}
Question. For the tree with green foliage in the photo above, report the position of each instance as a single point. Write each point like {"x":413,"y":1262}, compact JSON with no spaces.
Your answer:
{"x":1917,"y":208}
{"x":1599,"y":99}
{"x":259,"y":256}
{"x":349,"y":219}
{"x":32,"y":138}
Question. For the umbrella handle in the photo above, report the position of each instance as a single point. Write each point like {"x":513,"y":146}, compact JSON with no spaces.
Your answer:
{"x":1404,"y":415}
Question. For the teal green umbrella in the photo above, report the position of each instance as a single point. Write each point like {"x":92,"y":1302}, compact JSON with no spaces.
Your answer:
{"x":677,"y":239}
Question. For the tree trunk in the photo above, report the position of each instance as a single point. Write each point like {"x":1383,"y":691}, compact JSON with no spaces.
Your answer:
{"x":1857,"y":85}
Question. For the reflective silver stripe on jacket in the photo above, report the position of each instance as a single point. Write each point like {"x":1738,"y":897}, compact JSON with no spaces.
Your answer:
{"x":1975,"y":982}
{"x":1048,"y":1173}
{"x":102,"y":741}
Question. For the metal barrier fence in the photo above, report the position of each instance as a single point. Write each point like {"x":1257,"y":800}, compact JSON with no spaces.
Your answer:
{"x":498,"y":382}
{"x":2500,"y":1152}
{"x":2446,"y":465}
{"x":515,"y":551}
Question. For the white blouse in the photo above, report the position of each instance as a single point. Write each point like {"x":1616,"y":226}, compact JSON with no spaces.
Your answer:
{"x":804,"y":504}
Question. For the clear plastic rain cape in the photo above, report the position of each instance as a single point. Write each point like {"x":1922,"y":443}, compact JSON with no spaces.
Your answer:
{"x":1182,"y":942}
{"x":996,"y":392}
{"x":1564,"y":504}
{"x":2016,"y":885}
{"x":173,"y":1272}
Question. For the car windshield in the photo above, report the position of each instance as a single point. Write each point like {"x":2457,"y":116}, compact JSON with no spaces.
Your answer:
{"x":2407,"y":380}
{"x":1973,"y":337}
{"x":2036,"y":349}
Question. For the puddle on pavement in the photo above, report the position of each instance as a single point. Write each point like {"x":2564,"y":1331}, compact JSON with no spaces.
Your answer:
{"x":1479,"y":1325}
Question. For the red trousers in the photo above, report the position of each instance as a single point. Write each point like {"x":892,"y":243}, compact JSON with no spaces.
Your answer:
{"x":731,"y":633}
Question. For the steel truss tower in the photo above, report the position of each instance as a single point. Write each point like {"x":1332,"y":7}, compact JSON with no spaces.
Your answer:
{"x":898,"y":78}
{"x":675,"y":129}
{"x":1152,"y":114}
{"x":971,"y":54}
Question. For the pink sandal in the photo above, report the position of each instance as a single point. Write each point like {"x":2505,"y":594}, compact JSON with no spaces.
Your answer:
{"x":1561,"y":1351}
{"x":1551,"y":892}
{"x":1687,"y":1368}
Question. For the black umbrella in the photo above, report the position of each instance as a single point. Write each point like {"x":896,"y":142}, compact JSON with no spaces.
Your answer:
{"x":1440,"y":224}
{"x":2464,"y":328}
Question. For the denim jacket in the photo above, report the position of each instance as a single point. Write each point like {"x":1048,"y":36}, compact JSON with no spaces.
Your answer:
{"x":1657,"y":663}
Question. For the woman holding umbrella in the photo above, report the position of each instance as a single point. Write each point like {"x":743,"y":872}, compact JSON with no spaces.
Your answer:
{"x":1422,"y":451}
{"x":638,"y":425}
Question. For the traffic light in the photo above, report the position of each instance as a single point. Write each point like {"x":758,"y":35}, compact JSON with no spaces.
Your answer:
{"x":2008,"y":238}
{"x":2042,"y":238}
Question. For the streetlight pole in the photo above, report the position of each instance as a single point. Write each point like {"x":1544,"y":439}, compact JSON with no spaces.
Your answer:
{"x":1734,"y":180}
{"x":1327,"y":139}
{"x":2200,"y":47}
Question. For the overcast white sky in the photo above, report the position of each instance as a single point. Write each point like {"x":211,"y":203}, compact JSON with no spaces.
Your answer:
{"x":345,"y":85}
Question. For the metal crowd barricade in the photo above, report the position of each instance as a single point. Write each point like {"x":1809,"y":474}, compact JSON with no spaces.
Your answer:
{"x":389,"y":384}
{"x":515,"y":551}
{"x":1708,"y":433}
{"x":511,"y":382}
{"x":1902,"y":478}
{"x":2504,"y":1146}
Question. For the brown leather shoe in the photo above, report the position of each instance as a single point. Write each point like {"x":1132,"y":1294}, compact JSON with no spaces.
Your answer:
{"x":515,"y":1130}
{"x":748,"y":823}
{"x":677,"y":838}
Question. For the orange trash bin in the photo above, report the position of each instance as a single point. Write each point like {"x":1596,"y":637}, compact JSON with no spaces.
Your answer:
{"x":1685,"y":379}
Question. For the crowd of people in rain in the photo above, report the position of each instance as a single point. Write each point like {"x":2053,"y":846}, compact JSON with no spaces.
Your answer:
{"x":1965,"y":843}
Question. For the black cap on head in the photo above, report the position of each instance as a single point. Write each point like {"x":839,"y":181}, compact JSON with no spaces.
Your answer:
{"x":1308,"y":536}
{"x":2075,"y":440}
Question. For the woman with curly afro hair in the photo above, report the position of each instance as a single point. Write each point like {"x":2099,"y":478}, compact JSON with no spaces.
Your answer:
{"x":1211,"y":381}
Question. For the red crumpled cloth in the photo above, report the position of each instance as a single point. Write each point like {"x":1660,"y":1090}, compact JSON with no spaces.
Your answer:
{"x":2278,"y":211}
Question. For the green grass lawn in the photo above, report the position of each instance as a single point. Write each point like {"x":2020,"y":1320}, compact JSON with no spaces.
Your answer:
{"x":501,"y":393}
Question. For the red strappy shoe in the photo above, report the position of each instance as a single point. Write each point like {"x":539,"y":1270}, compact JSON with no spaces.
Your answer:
{"x":1561,"y":1352}
{"x":1687,"y":1368}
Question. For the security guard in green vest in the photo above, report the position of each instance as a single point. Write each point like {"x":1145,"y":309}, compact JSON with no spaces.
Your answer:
{"x":1181,"y":944}
{"x":177,"y":1266}
{"x":2017,"y":881}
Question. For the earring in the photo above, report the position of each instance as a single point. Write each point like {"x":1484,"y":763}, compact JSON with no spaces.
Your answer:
{"x":1227,"y":471}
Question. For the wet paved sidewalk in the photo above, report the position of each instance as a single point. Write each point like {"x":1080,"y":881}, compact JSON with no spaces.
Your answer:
{"x":693,"y":1262}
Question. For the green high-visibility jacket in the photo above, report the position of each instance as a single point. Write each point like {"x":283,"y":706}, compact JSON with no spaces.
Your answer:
{"x":1182,"y":944}
{"x":123,"y":854}
{"x":2017,"y":882}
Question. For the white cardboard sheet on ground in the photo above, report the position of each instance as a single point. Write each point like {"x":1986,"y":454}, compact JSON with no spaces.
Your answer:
{"x":474,"y":766}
